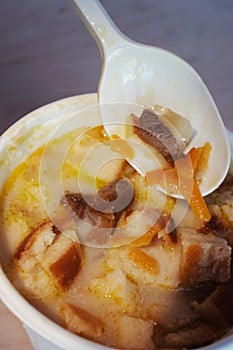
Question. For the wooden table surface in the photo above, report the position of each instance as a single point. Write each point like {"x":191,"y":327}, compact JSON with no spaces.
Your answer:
{"x":46,"y":54}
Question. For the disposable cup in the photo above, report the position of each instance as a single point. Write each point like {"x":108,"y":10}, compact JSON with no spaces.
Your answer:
{"x":22,"y":138}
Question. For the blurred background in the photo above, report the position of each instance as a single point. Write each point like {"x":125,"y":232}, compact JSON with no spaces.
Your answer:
{"x":46,"y":52}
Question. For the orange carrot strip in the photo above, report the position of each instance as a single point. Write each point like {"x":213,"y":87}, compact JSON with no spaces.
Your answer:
{"x":195,"y":154}
{"x":203,"y":161}
{"x":185,"y":176}
{"x":155,"y":177}
{"x":189,"y":188}
{"x":200,"y":156}
{"x":143,"y":261}
{"x":182,"y":179}
{"x":198,"y":204}
{"x":147,"y":237}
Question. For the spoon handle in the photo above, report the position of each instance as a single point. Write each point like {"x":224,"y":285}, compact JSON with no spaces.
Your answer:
{"x":99,"y":24}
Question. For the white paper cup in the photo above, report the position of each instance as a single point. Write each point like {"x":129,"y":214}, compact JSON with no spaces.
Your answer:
{"x":35,"y":128}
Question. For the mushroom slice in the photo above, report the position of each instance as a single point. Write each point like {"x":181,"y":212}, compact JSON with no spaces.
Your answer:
{"x":154,"y":131}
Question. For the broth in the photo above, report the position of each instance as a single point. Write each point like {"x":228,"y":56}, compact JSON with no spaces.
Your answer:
{"x":146,"y":276}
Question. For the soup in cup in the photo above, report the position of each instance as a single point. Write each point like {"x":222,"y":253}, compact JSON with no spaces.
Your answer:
{"x":95,"y":256}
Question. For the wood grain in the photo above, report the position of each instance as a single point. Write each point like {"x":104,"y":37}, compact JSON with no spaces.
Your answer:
{"x":46,"y":54}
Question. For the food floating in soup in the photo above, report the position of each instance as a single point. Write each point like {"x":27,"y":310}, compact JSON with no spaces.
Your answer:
{"x":106,"y":253}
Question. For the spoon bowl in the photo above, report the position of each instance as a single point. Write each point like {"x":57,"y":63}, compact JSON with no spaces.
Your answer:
{"x":137,"y":75}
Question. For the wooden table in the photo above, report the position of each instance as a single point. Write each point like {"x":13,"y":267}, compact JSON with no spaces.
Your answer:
{"x":46,"y":54}
{"x":12,"y":333}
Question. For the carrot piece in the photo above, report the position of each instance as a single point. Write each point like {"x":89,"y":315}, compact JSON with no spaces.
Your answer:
{"x":185,"y":176}
{"x":200,"y":156}
{"x":182,"y":179}
{"x":164,"y":178}
{"x":188,"y":186}
{"x":195,"y":154}
{"x":174,"y":179}
{"x":148,"y":236}
{"x":203,"y":162}
{"x":143,"y":261}
{"x":198,"y":204}
{"x":155,"y":177}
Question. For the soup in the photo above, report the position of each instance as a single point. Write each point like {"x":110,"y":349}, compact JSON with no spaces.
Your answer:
{"x":106,"y":254}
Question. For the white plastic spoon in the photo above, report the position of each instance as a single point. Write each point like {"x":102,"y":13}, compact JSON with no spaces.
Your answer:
{"x":136,"y":75}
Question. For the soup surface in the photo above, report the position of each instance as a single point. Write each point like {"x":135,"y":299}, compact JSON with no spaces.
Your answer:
{"x":107,"y":255}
